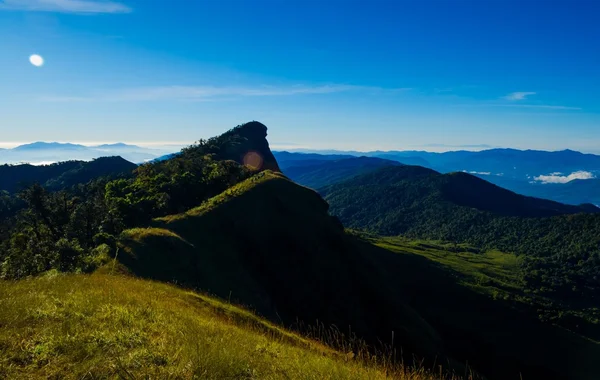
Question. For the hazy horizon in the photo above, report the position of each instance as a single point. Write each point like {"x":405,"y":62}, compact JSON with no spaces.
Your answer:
{"x":176,"y":146}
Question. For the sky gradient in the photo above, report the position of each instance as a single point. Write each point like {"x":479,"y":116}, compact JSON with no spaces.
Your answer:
{"x":362,"y":75}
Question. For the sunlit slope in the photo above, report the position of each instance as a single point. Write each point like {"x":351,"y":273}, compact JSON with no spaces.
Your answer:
{"x":102,"y":326}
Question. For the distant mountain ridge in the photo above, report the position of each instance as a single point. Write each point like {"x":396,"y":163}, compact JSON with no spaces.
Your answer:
{"x":62,"y":175}
{"x":325,"y":173}
{"x":404,"y":190}
{"x":51,"y":152}
{"x":504,"y":160}
{"x":522,"y":171}
{"x":48,"y":145}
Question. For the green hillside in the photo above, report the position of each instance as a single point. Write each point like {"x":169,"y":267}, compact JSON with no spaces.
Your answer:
{"x":562,"y":249}
{"x":215,"y":219}
{"x":329,"y":172}
{"x":478,"y":305}
{"x":63,"y":174}
{"x":307,"y":269}
{"x":102,"y":326}
{"x":270,"y":244}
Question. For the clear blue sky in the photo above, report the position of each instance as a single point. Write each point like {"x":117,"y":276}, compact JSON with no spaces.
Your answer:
{"x":343,"y":74}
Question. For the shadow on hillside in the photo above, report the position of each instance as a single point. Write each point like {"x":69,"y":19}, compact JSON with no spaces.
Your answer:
{"x":275,"y":249}
{"x":492,"y":336}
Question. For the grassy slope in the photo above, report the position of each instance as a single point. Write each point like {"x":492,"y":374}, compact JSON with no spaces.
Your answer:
{"x":102,"y":326}
{"x":235,"y":245}
{"x":493,"y":272}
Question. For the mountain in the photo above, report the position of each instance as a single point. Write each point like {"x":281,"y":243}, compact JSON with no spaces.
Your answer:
{"x":249,"y":147}
{"x":117,"y":146}
{"x":49,"y":146}
{"x":62,"y":175}
{"x":269,"y":243}
{"x":406,"y":160}
{"x":328,"y":172}
{"x":287,"y":159}
{"x":296,"y":159}
{"x":43,"y":152}
{"x":220,"y":218}
{"x":87,"y":171}
{"x":509,"y":162}
{"x":574,"y":192}
{"x":516,"y":170}
{"x":455,"y":189}
{"x":164,"y":157}
{"x":421,"y":203}
{"x":274,"y":247}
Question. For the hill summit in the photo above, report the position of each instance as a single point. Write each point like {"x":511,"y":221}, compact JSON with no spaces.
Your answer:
{"x":245,"y":144}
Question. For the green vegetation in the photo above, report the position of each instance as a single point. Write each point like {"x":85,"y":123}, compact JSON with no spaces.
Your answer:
{"x":493,"y":272}
{"x":477,"y":304}
{"x":100,"y":326}
{"x":323,"y":173}
{"x":220,"y":218}
{"x":458,"y":308}
{"x":62,"y":175}
{"x":560,"y":250}
{"x":236,"y":247}
{"x":42,"y":229}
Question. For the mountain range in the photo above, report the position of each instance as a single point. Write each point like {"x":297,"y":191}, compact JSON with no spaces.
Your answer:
{"x":563,"y":176}
{"x":52,"y":152}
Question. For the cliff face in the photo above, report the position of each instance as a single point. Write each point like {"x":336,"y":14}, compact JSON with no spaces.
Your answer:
{"x":251,"y":147}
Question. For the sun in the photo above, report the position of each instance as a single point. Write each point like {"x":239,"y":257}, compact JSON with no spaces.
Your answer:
{"x":36,"y":60}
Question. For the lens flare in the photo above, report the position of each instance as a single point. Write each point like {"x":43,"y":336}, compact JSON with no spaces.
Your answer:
{"x":253,"y":160}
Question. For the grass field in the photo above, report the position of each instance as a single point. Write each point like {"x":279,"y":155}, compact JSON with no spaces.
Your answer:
{"x":103,"y":326}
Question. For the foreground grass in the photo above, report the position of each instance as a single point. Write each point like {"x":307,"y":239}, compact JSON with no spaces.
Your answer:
{"x":102,"y":326}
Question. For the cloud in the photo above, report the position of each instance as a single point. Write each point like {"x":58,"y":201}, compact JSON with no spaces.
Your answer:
{"x":557,"y":178}
{"x":542,"y":106}
{"x":65,"y":6}
{"x":518,"y":95}
{"x":211,"y":93}
{"x":517,"y":105}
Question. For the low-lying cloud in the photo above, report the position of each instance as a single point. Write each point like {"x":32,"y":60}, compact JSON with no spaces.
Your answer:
{"x":558,"y":178}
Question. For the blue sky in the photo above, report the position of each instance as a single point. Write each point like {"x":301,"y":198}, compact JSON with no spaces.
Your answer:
{"x":341,"y":74}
